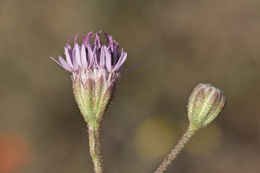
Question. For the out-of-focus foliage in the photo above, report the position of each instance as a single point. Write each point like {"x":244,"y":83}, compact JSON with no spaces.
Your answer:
{"x":178,"y":44}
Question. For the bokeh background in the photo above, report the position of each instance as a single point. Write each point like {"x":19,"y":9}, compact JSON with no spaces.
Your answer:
{"x":177,"y":45}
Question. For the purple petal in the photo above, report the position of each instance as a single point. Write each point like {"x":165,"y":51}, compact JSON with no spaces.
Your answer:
{"x":55,"y":60}
{"x":76,"y":38}
{"x":116,"y":54}
{"x":120,"y":62}
{"x":74,"y":61}
{"x":109,"y":40}
{"x":111,"y":43}
{"x":97,"y":41}
{"x":106,"y":37}
{"x":83,"y":56}
{"x":77,"y":54}
{"x":86,"y":39}
{"x":89,"y":36}
{"x":91,"y":56}
{"x":96,"y":57}
{"x":108,"y":60}
{"x":64,"y":64}
{"x":115,"y":42}
{"x":68,"y":57}
{"x":102,"y":57}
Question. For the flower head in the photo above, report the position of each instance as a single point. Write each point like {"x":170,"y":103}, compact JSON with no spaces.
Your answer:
{"x":95,"y":69}
{"x":205,"y":103}
{"x":88,"y":56}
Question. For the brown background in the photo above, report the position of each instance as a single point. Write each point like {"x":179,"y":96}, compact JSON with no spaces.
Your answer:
{"x":177,"y":43}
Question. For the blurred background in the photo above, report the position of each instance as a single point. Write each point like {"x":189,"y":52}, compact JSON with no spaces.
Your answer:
{"x":177,"y":45}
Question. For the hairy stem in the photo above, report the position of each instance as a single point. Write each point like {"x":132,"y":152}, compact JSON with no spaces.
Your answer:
{"x":94,"y":147}
{"x":176,"y":150}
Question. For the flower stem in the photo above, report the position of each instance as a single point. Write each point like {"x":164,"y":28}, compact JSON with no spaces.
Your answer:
{"x":176,"y":150}
{"x":94,"y":147}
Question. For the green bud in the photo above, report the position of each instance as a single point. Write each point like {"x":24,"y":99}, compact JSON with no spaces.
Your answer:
{"x":93,"y":91}
{"x":205,"y":103}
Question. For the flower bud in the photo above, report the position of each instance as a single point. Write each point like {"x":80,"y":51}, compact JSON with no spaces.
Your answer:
{"x":205,"y":103}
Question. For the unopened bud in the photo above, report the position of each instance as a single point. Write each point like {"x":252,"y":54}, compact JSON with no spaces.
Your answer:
{"x":205,"y":103}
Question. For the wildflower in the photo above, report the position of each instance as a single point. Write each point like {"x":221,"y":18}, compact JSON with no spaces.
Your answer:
{"x":205,"y":103}
{"x":95,"y":69}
